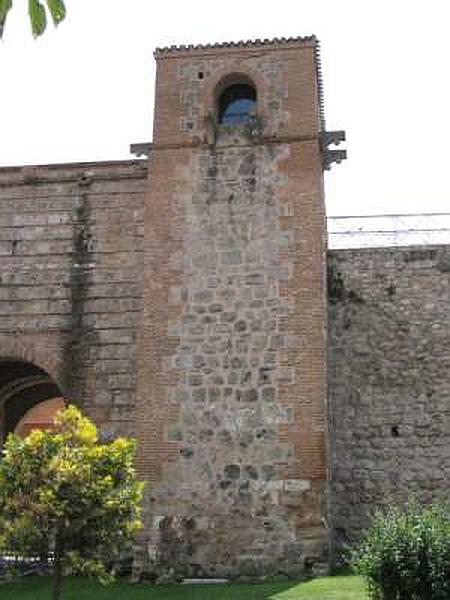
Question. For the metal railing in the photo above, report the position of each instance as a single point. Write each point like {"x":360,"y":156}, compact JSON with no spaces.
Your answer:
{"x":371,"y":231}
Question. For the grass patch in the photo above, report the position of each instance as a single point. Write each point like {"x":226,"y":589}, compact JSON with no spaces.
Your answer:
{"x":323,"y":588}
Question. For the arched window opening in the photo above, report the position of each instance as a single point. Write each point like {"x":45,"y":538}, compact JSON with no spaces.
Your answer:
{"x":237,"y":104}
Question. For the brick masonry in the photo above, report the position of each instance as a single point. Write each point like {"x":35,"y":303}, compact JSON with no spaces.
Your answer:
{"x":231,"y":415}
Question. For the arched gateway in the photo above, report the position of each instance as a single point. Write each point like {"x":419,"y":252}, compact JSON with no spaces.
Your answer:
{"x":28,"y":397}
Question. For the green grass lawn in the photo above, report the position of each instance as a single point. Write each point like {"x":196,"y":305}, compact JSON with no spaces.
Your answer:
{"x":324,"y":588}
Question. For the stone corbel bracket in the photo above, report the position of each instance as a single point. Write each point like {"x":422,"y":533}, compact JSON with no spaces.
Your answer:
{"x":140,"y":149}
{"x":329,"y":157}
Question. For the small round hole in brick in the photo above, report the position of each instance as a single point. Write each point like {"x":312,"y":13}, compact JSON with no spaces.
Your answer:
{"x":395,"y":431}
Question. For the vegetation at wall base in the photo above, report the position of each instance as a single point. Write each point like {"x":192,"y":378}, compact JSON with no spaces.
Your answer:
{"x":67,"y":499}
{"x":323,"y":588}
{"x":405,"y":554}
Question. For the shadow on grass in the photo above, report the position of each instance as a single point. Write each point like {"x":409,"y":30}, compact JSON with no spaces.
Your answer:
{"x":325,"y":588}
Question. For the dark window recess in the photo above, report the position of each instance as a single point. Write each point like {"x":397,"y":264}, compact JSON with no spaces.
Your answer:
{"x":237,"y":104}
{"x":395,"y":431}
{"x":201,"y":75}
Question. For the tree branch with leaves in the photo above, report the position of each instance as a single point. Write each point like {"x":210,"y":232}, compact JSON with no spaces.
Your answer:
{"x":37,"y":12}
{"x":66,"y":496}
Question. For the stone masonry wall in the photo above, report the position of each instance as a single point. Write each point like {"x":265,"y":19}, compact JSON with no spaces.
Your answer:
{"x":389,"y":379}
{"x":70,"y":293}
{"x":187,"y":306}
{"x":228,"y":439}
{"x":231,"y":415}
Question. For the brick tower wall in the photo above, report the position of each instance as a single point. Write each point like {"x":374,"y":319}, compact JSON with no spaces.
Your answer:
{"x":231,"y":390}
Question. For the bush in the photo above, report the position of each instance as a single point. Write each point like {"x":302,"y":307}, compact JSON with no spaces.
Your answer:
{"x":68,"y":498}
{"x":405,"y":554}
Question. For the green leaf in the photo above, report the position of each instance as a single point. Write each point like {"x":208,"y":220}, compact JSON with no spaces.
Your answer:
{"x":38,"y":17}
{"x":5,"y":7}
{"x":57,"y":10}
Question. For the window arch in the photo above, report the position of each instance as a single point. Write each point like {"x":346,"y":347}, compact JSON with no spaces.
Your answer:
{"x":237,"y":104}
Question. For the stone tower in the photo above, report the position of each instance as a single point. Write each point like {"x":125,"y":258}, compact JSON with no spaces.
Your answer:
{"x":231,"y":416}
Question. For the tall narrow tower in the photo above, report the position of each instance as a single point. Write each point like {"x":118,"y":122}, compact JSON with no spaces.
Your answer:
{"x":231,"y":417}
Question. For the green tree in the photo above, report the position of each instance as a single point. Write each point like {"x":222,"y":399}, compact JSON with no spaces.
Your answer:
{"x":37,"y":12}
{"x":67,"y":496}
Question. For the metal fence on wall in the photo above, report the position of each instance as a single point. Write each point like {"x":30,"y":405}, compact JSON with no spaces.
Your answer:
{"x":388,"y":230}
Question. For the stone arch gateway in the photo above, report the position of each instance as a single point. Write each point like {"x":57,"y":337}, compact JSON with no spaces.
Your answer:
{"x":23,"y":386}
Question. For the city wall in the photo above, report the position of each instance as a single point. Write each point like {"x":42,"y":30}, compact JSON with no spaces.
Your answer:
{"x":389,"y":380}
{"x":70,"y":288}
{"x":71,"y":260}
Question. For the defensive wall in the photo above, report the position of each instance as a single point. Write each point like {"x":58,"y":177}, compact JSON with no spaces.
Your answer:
{"x":388,"y":379}
{"x":183,"y":299}
{"x":70,"y":295}
{"x":70,"y":287}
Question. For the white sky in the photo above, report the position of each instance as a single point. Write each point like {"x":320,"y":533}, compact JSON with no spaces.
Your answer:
{"x":85,"y":91}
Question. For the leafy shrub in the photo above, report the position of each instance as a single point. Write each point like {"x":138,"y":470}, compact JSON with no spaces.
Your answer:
{"x":405,"y":554}
{"x":66,"y":496}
